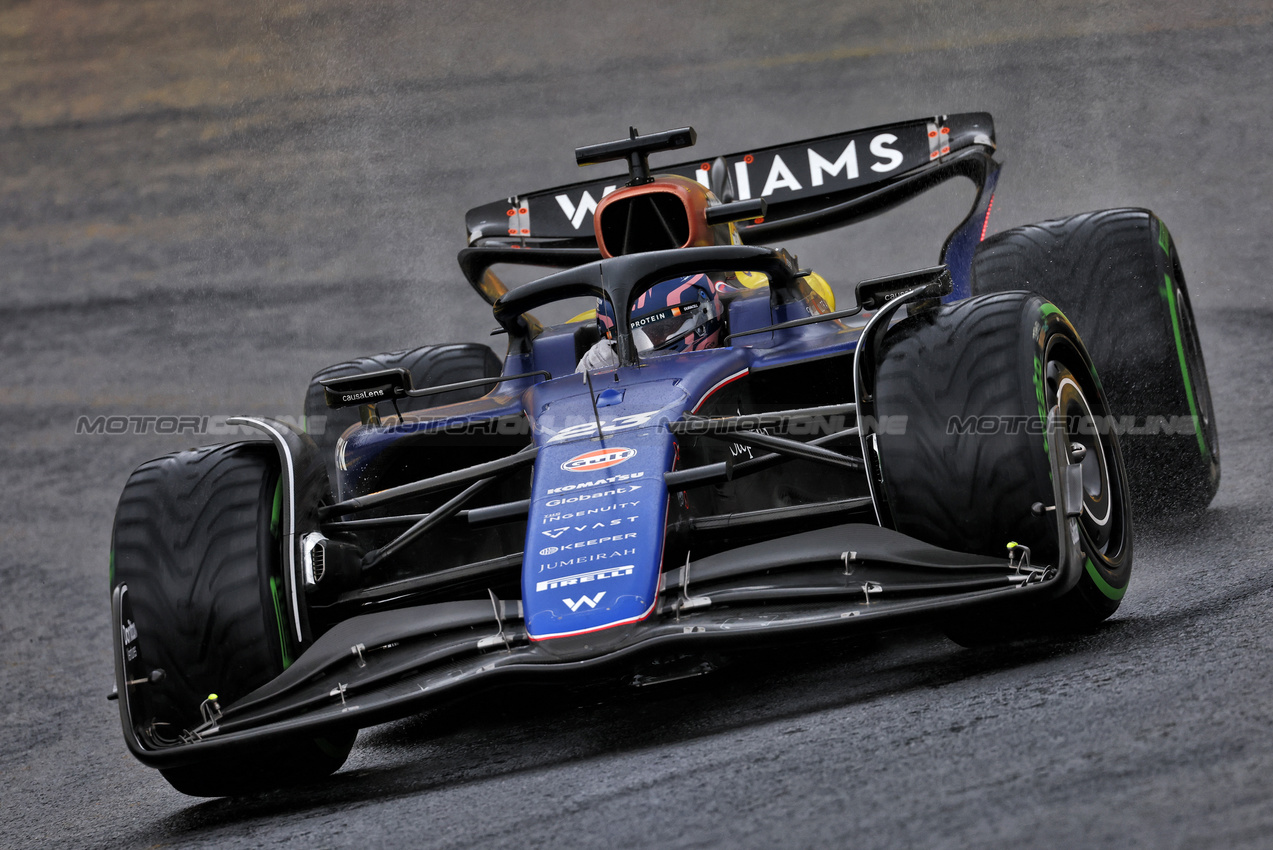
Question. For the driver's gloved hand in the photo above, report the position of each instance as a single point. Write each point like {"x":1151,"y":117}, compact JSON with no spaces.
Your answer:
{"x":600,"y":356}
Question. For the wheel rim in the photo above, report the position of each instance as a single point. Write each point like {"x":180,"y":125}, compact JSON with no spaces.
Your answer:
{"x":1084,"y":419}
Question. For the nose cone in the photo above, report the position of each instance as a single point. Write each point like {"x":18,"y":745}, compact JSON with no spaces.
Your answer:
{"x":590,"y":645}
{"x":594,"y":539}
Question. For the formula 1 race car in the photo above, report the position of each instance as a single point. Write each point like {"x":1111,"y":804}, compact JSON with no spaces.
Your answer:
{"x":716,"y":457}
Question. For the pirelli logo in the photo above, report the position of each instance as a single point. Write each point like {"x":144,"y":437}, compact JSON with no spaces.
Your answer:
{"x":583,"y":578}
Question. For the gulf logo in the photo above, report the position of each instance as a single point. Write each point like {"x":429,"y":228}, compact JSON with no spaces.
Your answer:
{"x":599,"y":459}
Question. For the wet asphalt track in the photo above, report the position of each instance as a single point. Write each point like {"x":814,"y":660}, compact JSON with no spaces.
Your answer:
{"x":199,"y":210}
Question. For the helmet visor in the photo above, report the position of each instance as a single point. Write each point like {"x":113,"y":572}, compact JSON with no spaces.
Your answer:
{"x":669,"y":325}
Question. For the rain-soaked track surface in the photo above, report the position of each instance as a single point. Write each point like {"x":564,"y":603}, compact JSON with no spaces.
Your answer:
{"x":199,"y":208}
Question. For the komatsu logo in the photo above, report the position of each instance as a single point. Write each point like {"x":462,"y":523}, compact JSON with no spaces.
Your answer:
{"x":600,"y":459}
{"x":596,"y":482}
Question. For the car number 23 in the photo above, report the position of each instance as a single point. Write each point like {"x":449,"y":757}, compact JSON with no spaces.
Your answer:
{"x":608,"y":426}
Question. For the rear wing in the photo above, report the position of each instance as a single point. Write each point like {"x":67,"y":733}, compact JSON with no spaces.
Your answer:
{"x":810,"y":186}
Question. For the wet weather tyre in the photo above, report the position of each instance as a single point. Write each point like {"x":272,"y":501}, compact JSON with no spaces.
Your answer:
{"x":977,"y":382}
{"x":197,"y":545}
{"x":429,"y":365}
{"x":1116,"y":274}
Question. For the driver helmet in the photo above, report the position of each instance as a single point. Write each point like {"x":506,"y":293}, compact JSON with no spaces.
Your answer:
{"x":681,"y":314}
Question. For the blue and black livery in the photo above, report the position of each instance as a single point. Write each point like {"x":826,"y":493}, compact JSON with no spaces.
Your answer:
{"x":797,"y":481}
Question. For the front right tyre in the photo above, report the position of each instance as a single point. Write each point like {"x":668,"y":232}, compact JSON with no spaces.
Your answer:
{"x":978,"y":383}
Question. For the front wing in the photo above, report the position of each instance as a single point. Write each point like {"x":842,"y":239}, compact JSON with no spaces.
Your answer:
{"x":389,"y":664}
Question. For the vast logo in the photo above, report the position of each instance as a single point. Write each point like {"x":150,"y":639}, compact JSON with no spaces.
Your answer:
{"x":575,"y":604}
{"x":554,"y":533}
{"x":599,"y":459}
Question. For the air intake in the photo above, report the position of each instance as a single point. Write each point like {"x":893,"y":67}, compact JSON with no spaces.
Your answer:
{"x":651,"y":221}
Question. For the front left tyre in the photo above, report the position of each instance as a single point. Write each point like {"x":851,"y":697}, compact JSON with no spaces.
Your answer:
{"x":197,"y":544}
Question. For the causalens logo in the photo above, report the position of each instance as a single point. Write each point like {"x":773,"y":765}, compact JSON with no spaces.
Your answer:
{"x":599,"y":459}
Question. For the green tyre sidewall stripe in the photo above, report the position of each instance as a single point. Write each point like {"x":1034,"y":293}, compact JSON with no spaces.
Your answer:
{"x":278,"y":621}
{"x":276,"y":513}
{"x":1114,"y":593}
{"x":1169,"y":289}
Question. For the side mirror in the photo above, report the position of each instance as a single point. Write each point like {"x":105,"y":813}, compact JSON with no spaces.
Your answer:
{"x":367,"y":388}
{"x":875,"y":293}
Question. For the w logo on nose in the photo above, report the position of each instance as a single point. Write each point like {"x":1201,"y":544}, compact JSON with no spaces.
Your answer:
{"x":576,"y":604}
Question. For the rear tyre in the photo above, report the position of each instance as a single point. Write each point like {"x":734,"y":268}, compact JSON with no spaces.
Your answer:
{"x":976,"y":382}
{"x":429,"y":365}
{"x":197,"y":543}
{"x":1117,"y":276}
